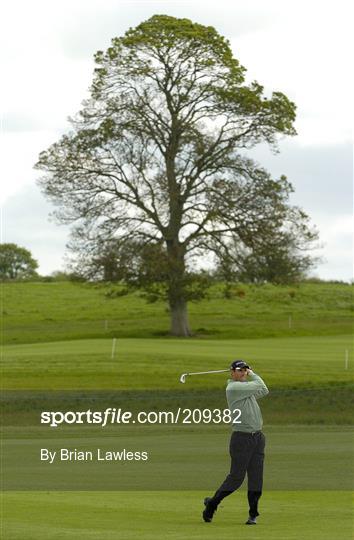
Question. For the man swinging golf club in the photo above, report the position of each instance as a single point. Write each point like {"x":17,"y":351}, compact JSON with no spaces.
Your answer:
{"x":247,"y":440}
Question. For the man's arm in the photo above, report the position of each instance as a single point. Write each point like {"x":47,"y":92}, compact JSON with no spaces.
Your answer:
{"x":255,"y":387}
{"x":263,"y":390}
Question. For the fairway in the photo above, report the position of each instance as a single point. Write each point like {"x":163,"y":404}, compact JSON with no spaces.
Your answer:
{"x":308,"y":473}
{"x":286,"y":515}
{"x":181,"y":457}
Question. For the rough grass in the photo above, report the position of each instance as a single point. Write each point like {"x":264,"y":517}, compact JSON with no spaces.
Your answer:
{"x":34,"y":312}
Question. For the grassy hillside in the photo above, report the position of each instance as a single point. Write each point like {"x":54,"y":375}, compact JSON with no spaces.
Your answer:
{"x":34,"y":312}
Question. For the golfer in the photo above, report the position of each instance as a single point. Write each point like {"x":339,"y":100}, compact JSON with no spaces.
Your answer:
{"x":247,"y":440}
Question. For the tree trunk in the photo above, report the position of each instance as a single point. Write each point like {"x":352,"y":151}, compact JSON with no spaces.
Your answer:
{"x":176,"y":293}
{"x":179,"y":319}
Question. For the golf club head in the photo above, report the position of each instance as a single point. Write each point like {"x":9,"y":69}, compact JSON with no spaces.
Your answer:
{"x":183,"y":378}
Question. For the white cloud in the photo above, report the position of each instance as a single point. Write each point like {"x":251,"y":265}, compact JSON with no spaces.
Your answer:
{"x":337,"y":252}
{"x":19,"y":154}
{"x":26,"y":222}
{"x":306,"y":54}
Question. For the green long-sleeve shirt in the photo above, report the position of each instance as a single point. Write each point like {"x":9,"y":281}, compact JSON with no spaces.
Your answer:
{"x":243,"y":396}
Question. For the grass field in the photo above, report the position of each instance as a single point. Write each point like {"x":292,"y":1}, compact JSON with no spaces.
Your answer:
{"x":286,"y":515}
{"x":156,"y":364}
{"x":306,"y":375}
{"x":57,"y":356}
{"x":180,"y":457}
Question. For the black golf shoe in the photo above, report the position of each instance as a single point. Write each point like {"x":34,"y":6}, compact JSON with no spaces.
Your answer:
{"x":251,"y":521}
{"x":209,"y":510}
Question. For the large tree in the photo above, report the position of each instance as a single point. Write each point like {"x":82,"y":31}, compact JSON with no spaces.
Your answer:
{"x":16,"y":263}
{"x":157,"y":152}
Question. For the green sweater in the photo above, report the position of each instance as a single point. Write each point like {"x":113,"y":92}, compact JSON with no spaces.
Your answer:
{"x":243,"y":396}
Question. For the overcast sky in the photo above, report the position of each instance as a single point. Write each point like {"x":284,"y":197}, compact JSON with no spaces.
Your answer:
{"x":302,"y":49}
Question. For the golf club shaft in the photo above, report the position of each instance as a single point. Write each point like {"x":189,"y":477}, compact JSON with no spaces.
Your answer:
{"x":206,"y":372}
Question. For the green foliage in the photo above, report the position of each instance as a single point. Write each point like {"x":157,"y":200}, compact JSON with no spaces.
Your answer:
{"x":16,"y":263}
{"x":142,"y":267}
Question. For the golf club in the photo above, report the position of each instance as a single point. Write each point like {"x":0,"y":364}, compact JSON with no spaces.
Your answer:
{"x":184,"y":375}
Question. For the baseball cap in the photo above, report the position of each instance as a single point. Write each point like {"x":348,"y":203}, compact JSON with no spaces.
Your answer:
{"x":239,"y":364}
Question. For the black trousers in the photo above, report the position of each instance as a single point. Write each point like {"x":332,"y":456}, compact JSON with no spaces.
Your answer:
{"x":247,"y":456}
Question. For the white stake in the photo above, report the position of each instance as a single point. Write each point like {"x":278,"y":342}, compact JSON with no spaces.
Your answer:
{"x":346,"y":361}
{"x":113,"y":347}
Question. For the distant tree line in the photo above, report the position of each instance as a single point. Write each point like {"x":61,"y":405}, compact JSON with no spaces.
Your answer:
{"x":143,"y":268}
